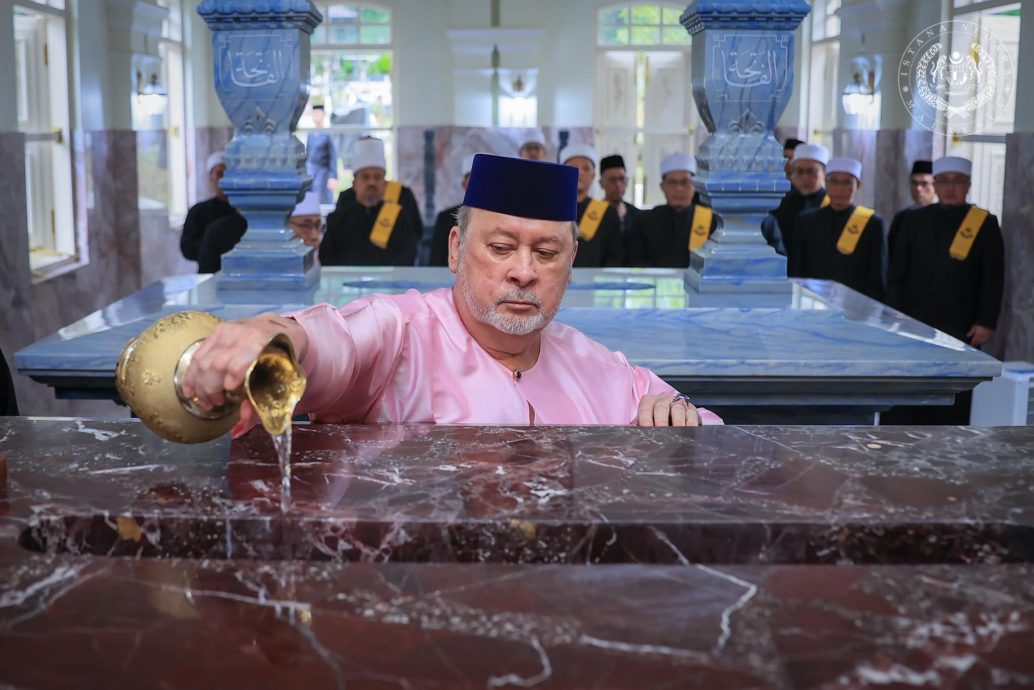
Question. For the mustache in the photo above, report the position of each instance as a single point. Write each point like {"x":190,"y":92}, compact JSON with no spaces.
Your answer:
{"x":519,"y":295}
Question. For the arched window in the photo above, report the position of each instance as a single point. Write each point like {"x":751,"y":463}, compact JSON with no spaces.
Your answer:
{"x":644,"y":103}
{"x":351,"y":77}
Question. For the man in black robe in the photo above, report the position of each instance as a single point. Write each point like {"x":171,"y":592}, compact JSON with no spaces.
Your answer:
{"x":614,"y":182}
{"x":600,"y":242}
{"x":664,"y":235}
{"x":204,"y":213}
{"x":224,"y":234}
{"x":809,"y":191}
{"x":371,"y":230}
{"x":920,"y":187}
{"x":842,"y":241}
{"x":445,"y":221}
{"x":362,"y":150}
{"x":947,"y":271}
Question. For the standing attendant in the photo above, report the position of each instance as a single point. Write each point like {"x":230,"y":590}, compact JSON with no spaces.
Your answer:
{"x":204,"y":213}
{"x":842,"y":241}
{"x":614,"y":181}
{"x":321,"y":158}
{"x":600,"y":242}
{"x":808,"y":178}
{"x":665,"y":235}
{"x":374,"y":229}
{"x":445,"y":221}
{"x":920,"y":187}
{"x":947,"y":271}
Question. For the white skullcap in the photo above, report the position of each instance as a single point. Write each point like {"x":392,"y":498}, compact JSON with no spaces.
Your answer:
{"x":955,"y":164}
{"x":533,"y":138}
{"x":843,"y":164}
{"x":579,"y":150}
{"x":811,"y":152}
{"x":368,"y":153}
{"x":678,"y":161}
{"x":213,"y":160}
{"x":308,"y":206}
{"x":468,"y":165}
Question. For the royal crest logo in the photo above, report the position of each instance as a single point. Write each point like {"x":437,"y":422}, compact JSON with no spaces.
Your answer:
{"x":956,"y":77}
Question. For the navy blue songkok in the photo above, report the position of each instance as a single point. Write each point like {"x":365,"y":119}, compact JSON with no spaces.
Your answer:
{"x":523,"y":188}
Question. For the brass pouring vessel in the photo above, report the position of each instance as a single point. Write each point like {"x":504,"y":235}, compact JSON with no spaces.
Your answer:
{"x":150,"y":371}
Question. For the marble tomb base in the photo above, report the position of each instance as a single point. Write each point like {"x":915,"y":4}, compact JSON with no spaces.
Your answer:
{"x":555,"y":557}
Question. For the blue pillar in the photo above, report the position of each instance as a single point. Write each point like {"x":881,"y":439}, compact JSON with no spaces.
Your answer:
{"x":261,"y":54}
{"x":743,"y":56}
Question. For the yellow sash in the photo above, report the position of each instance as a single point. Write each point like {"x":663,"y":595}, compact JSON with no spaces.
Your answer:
{"x":385,"y":224}
{"x":825,"y":202}
{"x":700,"y":228}
{"x":590,"y":221}
{"x":852,"y":232}
{"x":967,"y":233}
{"x":392,"y":192}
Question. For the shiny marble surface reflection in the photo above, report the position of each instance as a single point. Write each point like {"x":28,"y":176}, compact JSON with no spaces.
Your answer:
{"x":563,"y":557}
{"x":721,"y":495}
{"x":190,"y":624}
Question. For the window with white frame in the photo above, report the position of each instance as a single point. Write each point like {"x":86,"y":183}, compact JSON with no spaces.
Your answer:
{"x":644,"y":106}
{"x":352,"y":77}
{"x":159,"y":113}
{"x":42,"y":97}
{"x":823,"y":101}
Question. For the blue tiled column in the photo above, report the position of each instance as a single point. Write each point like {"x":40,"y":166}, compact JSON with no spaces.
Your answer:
{"x":742,"y":79}
{"x":261,"y":54}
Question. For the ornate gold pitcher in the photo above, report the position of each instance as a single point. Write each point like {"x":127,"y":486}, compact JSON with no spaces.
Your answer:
{"x":151,"y":367}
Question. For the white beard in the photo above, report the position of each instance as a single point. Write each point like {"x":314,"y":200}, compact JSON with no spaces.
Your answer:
{"x":510,"y":324}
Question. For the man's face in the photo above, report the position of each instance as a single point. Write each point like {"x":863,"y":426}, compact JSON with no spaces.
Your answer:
{"x":920,"y":186}
{"x":586,"y":173}
{"x":512,"y":272}
{"x":678,"y":188}
{"x":788,"y":166}
{"x":952,"y":188}
{"x":369,"y":186}
{"x":318,"y":117}
{"x":841,"y":188}
{"x":533,"y":151}
{"x":214,"y":176}
{"x":808,"y":176}
{"x":614,"y":182}
{"x":307,"y":228}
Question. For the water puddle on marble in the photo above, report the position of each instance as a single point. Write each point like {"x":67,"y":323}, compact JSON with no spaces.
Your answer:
{"x":282,"y":443}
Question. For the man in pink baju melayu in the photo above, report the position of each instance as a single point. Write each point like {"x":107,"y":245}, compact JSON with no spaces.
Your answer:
{"x":485,"y":351}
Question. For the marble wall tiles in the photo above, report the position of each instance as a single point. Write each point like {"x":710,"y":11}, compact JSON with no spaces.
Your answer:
{"x":15,"y":276}
{"x":204,"y":141}
{"x":1014,"y":339}
{"x":453,"y":144}
{"x":107,"y":222}
{"x":896,"y":150}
